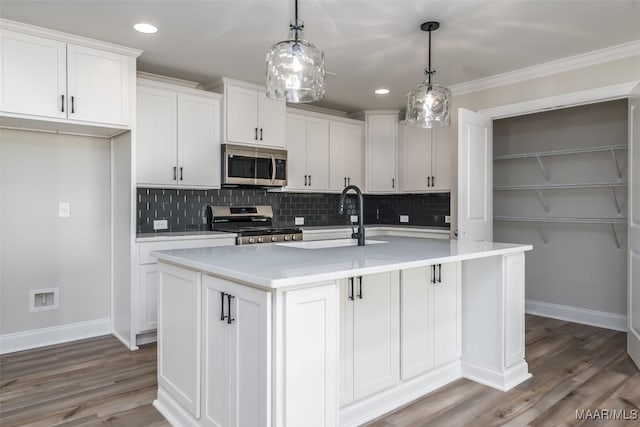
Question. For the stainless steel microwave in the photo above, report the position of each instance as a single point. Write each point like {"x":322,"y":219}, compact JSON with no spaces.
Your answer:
{"x":264,"y":167}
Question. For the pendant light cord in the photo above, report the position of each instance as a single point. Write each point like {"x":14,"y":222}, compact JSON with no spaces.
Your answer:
{"x":296,"y":24}
{"x":429,"y":70}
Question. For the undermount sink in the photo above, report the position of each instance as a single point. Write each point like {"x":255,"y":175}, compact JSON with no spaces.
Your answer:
{"x":324,"y":244}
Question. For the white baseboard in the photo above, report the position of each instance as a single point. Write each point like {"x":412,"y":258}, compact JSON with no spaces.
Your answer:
{"x":617,"y":322}
{"x":500,"y":380}
{"x":34,"y":338}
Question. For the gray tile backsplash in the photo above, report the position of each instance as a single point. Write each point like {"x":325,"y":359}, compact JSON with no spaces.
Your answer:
{"x":186,"y":209}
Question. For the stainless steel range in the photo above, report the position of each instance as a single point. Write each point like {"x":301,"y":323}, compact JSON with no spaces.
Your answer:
{"x":253,"y":224}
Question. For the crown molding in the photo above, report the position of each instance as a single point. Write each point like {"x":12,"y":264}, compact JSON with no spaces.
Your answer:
{"x":168,"y":80}
{"x":583,"y":60}
{"x":315,"y":109}
{"x":33,"y":30}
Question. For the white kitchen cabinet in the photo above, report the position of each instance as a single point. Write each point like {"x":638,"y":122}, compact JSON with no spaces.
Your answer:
{"x":381,"y":140}
{"x":424,"y":159}
{"x":431,"y":326}
{"x":371,"y":309}
{"x":345,"y":155}
{"x":49,"y":78}
{"x":178,"y":136}
{"x":307,"y":153}
{"x":236,"y":339}
{"x":251,"y":117}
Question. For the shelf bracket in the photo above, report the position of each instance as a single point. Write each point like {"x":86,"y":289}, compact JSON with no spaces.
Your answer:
{"x":543,"y":200}
{"x":615,"y":235}
{"x":615,"y":160}
{"x":615,"y":200}
{"x":545,"y":240}
{"x":544,"y":169}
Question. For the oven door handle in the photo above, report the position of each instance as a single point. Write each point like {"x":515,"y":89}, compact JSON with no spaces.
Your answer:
{"x":273,"y":169}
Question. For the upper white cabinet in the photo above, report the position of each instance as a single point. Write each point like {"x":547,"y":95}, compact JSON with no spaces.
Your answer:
{"x":381,"y":151}
{"x":178,"y":136}
{"x":425,"y":159}
{"x":53,"y":78}
{"x":307,"y":152}
{"x":251,"y":117}
{"x":345,"y":155}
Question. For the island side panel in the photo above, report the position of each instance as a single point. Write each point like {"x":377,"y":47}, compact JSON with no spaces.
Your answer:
{"x":493,"y":321}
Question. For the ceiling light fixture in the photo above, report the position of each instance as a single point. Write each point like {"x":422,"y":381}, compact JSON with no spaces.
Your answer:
{"x":428,"y":105}
{"x":145,"y":28}
{"x":295,"y":67}
{"x":381,"y":91}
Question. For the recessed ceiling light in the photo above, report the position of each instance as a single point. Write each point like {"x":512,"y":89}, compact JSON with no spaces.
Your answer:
{"x":145,"y":28}
{"x":381,"y":91}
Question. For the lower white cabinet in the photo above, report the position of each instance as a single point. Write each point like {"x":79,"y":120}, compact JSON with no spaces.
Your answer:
{"x":236,"y":340}
{"x":369,"y":335}
{"x":430,"y":304}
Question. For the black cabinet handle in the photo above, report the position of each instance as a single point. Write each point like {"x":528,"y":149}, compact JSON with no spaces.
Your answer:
{"x":393,"y":183}
{"x":428,"y":181}
{"x":360,"y":287}
{"x":256,"y":134}
{"x":349,"y":180}
{"x":309,"y":179}
{"x":439,"y":273}
{"x":433,"y":274}
{"x":260,"y":134}
{"x":73,"y":98}
{"x":305,"y":180}
{"x":181,"y":173}
{"x":62,"y":96}
{"x":351,"y":288}
{"x":222,"y":316}
{"x":433,"y":181}
{"x":230,"y":319}
{"x":345,"y":181}
{"x":175,"y":173}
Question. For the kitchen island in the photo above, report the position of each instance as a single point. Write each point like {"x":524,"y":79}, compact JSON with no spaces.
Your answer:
{"x":325,"y":333}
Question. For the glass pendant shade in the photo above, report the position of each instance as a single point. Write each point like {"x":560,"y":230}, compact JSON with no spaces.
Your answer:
{"x":428,"y":105}
{"x":295,"y":69}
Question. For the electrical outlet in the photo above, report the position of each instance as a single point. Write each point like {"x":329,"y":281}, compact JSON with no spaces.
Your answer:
{"x":299,"y":220}
{"x":160,"y":224}
{"x":64,"y":209}
{"x":447,"y":219}
{"x":353,"y":218}
{"x":404,"y":219}
{"x":43,"y":299}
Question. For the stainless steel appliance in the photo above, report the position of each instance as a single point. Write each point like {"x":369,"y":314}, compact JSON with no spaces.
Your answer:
{"x":253,"y":224}
{"x":264,"y":167}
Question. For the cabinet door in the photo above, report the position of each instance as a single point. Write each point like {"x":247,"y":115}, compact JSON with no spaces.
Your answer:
{"x":417,"y":321}
{"x":271,"y":121}
{"x":33,"y":75}
{"x":381,"y":153}
{"x":376,"y":333}
{"x":198,"y":141}
{"x":346,"y":342}
{"x":354,"y":155}
{"x":156,"y":136}
{"x":296,"y":152}
{"x":514,"y":316}
{"x":338,"y":157}
{"x":241,"y":114}
{"x":179,"y":336}
{"x":147,"y":297}
{"x":446,"y":314}
{"x":317,"y":153}
{"x":98,"y":86}
{"x":415,"y":158}
{"x":441,"y":160}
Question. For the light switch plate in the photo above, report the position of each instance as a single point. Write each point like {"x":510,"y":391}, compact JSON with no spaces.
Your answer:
{"x":64,"y":209}
{"x":447,"y":219}
{"x":299,"y":220}
{"x":404,"y":218}
{"x":160,"y":224}
{"x":353,"y":218}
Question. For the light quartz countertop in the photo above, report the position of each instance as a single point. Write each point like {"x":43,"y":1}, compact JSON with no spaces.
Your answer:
{"x":276,"y":266}
{"x":182,"y":235}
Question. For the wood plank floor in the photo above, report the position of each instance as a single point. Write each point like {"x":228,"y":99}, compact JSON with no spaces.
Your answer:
{"x":98,"y":382}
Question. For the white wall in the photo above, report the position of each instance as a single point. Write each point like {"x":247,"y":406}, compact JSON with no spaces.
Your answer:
{"x":41,"y":250}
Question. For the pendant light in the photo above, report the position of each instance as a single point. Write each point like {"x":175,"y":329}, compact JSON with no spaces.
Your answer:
{"x":428,"y":105}
{"x":295,"y":67}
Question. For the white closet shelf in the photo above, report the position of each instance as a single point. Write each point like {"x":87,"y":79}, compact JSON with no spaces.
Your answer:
{"x":560,"y":186}
{"x":575,"y":220}
{"x":560,"y":152}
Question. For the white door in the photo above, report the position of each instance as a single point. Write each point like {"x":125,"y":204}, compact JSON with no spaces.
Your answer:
{"x":475,"y":176}
{"x":156,"y":142}
{"x":98,"y":85}
{"x":271,"y":121}
{"x":317,"y":153}
{"x":33,"y":75}
{"x":338,"y":135}
{"x":198,"y":141}
{"x":446,"y":314}
{"x":354,"y":155}
{"x":376,"y":333}
{"x":346,"y":342}
{"x":241,"y":114}
{"x":297,"y":152}
{"x":440,"y":160}
{"x":633,"y":295}
{"x":382,"y":139}
{"x":415,"y":148}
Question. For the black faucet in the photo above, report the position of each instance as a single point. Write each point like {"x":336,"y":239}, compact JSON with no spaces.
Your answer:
{"x":360,"y":234}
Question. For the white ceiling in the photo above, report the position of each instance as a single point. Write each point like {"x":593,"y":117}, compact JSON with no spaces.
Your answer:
{"x":367,"y":43}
